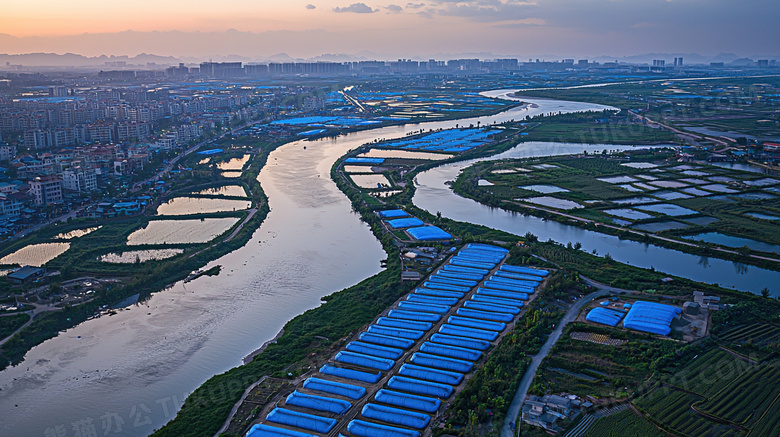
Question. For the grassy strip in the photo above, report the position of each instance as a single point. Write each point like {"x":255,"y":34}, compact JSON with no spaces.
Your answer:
{"x":9,"y":324}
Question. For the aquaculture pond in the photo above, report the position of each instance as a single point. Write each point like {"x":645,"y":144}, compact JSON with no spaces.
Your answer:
{"x":201,"y":205}
{"x":181,"y":231}
{"x":732,"y":241}
{"x":36,"y":254}
{"x":133,"y":256}
{"x":225,"y":190}
{"x":234,"y":164}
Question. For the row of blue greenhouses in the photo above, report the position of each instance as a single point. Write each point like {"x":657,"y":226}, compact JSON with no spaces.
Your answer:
{"x":450,"y":140}
{"x":411,"y":359}
{"x":399,"y":219}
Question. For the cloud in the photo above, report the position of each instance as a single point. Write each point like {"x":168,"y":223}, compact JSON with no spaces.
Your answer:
{"x":414,"y":5}
{"x":357,"y":8}
{"x":425,"y":14}
{"x":394,"y":8}
{"x":311,"y":6}
{"x":525,"y":22}
{"x":487,"y":10}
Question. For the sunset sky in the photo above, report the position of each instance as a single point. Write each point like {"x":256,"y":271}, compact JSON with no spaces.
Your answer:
{"x":588,"y":27}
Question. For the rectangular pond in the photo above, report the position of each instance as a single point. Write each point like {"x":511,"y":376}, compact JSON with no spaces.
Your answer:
{"x":671,"y":195}
{"x":370,"y":180}
{"x":225,"y":190}
{"x":201,"y":205}
{"x":660,"y":226}
{"x":140,"y":256}
{"x":627,"y":213}
{"x":668,"y":184}
{"x":762,"y":216}
{"x":544,"y":189}
{"x":36,"y":255}
{"x":181,"y":231}
{"x":552,"y":202}
{"x":732,"y":241}
{"x":668,"y":209}
{"x":618,"y":179}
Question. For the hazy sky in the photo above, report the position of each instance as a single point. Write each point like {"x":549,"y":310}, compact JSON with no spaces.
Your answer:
{"x":586,"y":27}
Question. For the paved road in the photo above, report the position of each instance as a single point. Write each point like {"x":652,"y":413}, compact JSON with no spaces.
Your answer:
{"x":536,"y":360}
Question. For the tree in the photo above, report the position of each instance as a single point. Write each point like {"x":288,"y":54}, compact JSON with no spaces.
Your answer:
{"x":765,"y":292}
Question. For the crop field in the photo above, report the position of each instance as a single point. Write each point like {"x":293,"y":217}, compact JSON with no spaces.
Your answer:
{"x":602,"y":339}
{"x":717,"y":394}
{"x":746,"y":399}
{"x":758,"y":334}
{"x":625,"y":423}
{"x":607,"y":369}
{"x":709,"y":373}
{"x":672,"y":408}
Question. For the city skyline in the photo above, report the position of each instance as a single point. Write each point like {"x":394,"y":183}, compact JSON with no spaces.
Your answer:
{"x":308,"y":29}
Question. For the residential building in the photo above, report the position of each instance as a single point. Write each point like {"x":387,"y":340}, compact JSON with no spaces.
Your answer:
{"x":46,"y":189}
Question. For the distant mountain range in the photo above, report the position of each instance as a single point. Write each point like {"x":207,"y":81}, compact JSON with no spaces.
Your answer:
{"x":236,"y":46}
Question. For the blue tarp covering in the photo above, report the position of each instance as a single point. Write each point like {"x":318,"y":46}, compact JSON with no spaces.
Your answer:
{"x":478,"y":265}
{"x":364,"y":360}
{"x":386,"y":340}
{"x":301,"y":420}
{"x":428,"y":374}
{"x":444,"y":293}
{"x":490,"y":306}
{"x":454,"y":340}
{"x":392,"y":213}
{"x":448,"y":287}
{"x":464,"y":269}
{"x":487,"y":247}
{"x":420,"y":387}
{"x":396,"y":332}
{"x":464,"y":331}
{"x":423,"y":298}
{"x":469,"y":322}
{"x":338,"y":388}
{"x":652,"y":317}
{"x":414,"y":315}
{"x":460,"y":275}
{"x":503,"y":293}
{"x":428,"y":233}
{"x":411,"y":419}
{"x":272,"y":431}
{"x":526,"y":270}
{"x":605,"y":316}
{"x":405,"y":222}
{"x":321,"y":403}
{"x":405,"y":324}
{"x":361,"y":428}
{"x":406,"y":400}
{"x":210,"y":152}
{"x":374,"y":350}
{"x":510,"y":275}
{"x":357,"y":375}
{"x":405,"y":305}
{"x":439,"y":362}
{"x":453,"y":281}
{"x":445,"y":350}
{"x":533,"y":282}
{"x":364,"y":160}
{"x":501,"y":300}
{"x":507,"y":287}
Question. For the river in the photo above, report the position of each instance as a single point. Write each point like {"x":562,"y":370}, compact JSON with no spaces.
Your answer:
{"x":128,"y":374}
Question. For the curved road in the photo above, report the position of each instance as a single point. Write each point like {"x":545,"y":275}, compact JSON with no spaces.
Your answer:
{"x":536,"y":360}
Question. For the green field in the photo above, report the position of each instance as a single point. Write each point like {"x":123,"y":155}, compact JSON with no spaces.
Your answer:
{"x":625,"y":423}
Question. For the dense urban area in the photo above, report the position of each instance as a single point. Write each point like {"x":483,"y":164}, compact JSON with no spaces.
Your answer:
{"x":567,"y":247}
